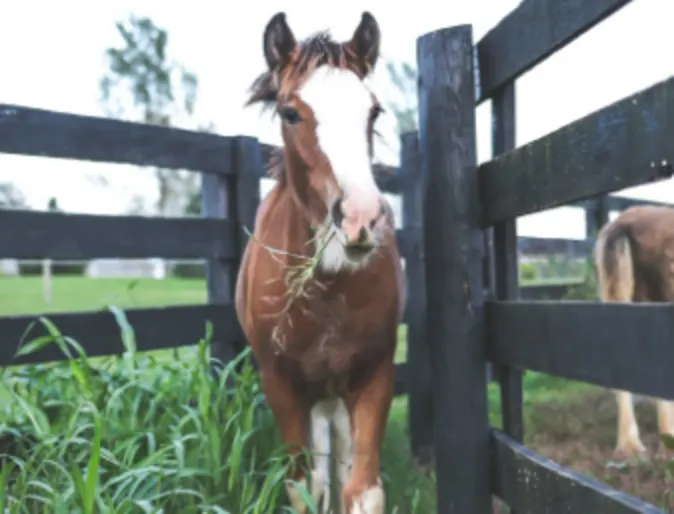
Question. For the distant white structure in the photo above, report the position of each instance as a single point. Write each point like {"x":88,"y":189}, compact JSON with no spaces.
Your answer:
{"x":9,"y":267}
{"x":127,"y":268}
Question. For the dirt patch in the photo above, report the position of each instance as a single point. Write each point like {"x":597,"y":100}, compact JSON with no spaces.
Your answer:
{"x":581,"y":435}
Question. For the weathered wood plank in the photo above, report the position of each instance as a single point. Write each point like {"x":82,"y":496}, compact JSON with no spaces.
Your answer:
{"x":403,"y":379}
{"x":386,"y":177}
{"x":506,"y":265}
{"x":98,"y":333}
{"x":532,"y":32}
{"x":39,"y":235}
{"x":625,"y":144}
{"x":616,"y":345}
{"x":532,"y":484}
{"x":420,"y":399}
{"x":37,"y":132}
{"x":217,"y":202}
{"x":453,"y":253}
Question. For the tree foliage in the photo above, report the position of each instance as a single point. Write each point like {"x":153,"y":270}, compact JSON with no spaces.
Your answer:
{"x":11,"y":197}
{"x":142,"y":83}
{"x":404,"y":78}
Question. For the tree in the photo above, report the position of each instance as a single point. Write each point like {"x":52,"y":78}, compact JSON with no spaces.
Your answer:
{"x":11,"y":197}
{"x":144,"y":83}
{"x":404,"y":78}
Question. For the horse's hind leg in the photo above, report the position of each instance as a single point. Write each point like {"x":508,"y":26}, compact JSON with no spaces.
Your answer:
{"x":666,"y":417}
{"x":629,"y":441}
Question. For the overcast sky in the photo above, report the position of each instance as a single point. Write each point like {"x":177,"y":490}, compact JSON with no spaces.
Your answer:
{"x":52,"y":58}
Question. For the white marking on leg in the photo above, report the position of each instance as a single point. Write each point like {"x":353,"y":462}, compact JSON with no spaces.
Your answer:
{"x":295,"y":497}
{"x":372,"y":501}
{"x":321,"y":414}
{"x":343,"y":453}
{"x":628,"y":430}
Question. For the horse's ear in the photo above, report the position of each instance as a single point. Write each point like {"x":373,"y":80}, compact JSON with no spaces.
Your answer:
{"x":365,"y":41}
{"x":279,"y":42}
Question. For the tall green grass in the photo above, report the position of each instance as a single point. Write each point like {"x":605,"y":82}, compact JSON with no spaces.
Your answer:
{"x":137,"y":434}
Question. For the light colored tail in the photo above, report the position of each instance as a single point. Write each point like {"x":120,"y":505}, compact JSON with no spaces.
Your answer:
{"x":614,"y":263}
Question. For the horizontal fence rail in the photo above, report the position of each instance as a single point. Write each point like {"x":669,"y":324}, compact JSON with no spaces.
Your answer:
{"x":626,"y":144}
{"x":36,"y":235}
{"x":530,"y":483}
{"x":37,"y":132}
{"x":626,"y":346}
{"x":532,"y":32}
{"x":156,"y":328}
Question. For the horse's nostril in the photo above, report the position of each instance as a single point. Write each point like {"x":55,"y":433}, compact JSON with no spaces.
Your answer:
{"x":362,"y":235}
{"x":337,"y":214}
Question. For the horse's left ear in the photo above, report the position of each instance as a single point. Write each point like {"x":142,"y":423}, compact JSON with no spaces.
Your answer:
{"x":364,"y":43}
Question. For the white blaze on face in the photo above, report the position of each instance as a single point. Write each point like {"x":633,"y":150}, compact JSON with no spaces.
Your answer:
{"x":341,"y":104}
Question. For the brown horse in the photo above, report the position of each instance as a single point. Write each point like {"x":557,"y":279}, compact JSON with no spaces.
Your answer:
{"x":634,"y":257}
{"x":321,"y":291}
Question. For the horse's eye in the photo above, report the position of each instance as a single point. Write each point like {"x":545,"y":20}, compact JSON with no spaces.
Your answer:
{"x":290,"y":115}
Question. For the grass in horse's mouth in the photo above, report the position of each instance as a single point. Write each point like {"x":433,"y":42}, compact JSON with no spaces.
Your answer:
{"x":297,"y":277}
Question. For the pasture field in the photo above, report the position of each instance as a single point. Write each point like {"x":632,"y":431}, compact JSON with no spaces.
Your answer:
{"x":154,"y":433}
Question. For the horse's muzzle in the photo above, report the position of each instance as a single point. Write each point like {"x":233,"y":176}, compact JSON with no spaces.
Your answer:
{"x":358,"y":226}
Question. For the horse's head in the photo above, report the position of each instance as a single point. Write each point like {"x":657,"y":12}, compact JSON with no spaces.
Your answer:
{"x":328,"y":113}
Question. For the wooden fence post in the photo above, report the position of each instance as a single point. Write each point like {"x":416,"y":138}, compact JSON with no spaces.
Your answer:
{"x":236,"y":198}
{"x":506,"y":262}
{"x":596,"y":215}
{"x":454,"y":249}
{"x":248,"y":166}
{"x":420,"y":394}
{"x":215,"y":203}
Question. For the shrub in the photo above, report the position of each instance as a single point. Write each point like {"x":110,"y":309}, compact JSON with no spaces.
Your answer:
{"x":528,"y":271}
{"x":189,"y":270}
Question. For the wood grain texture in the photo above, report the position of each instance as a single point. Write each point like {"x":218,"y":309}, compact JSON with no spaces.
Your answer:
{"x":531,"y":32}
{"x":155,"y":328}
{"x":420,"y":398}
{"x":39,"y":235}
{"x":453,"y":252}
{"x":38,"y":132}
{"x":532,"y":484}
{"x":625,"y":144}
{"x":624,"y":346}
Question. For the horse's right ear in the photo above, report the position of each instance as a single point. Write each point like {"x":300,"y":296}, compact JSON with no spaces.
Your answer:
{"x":279,"y":42}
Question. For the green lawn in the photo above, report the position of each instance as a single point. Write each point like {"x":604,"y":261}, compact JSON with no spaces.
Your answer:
{"x":24,"y":295}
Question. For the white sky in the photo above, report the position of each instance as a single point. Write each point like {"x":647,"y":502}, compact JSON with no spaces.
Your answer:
{"x":52,"y":58}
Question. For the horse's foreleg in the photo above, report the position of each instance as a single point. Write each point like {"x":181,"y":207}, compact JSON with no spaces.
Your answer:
{"x":629,"y":441}
{"x":363,"y":493}
{"x":292,"y":417}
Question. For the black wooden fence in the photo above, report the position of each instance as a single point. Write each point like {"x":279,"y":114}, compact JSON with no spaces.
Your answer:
{"x":473,"y":313}
{"x":468,"y":314}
